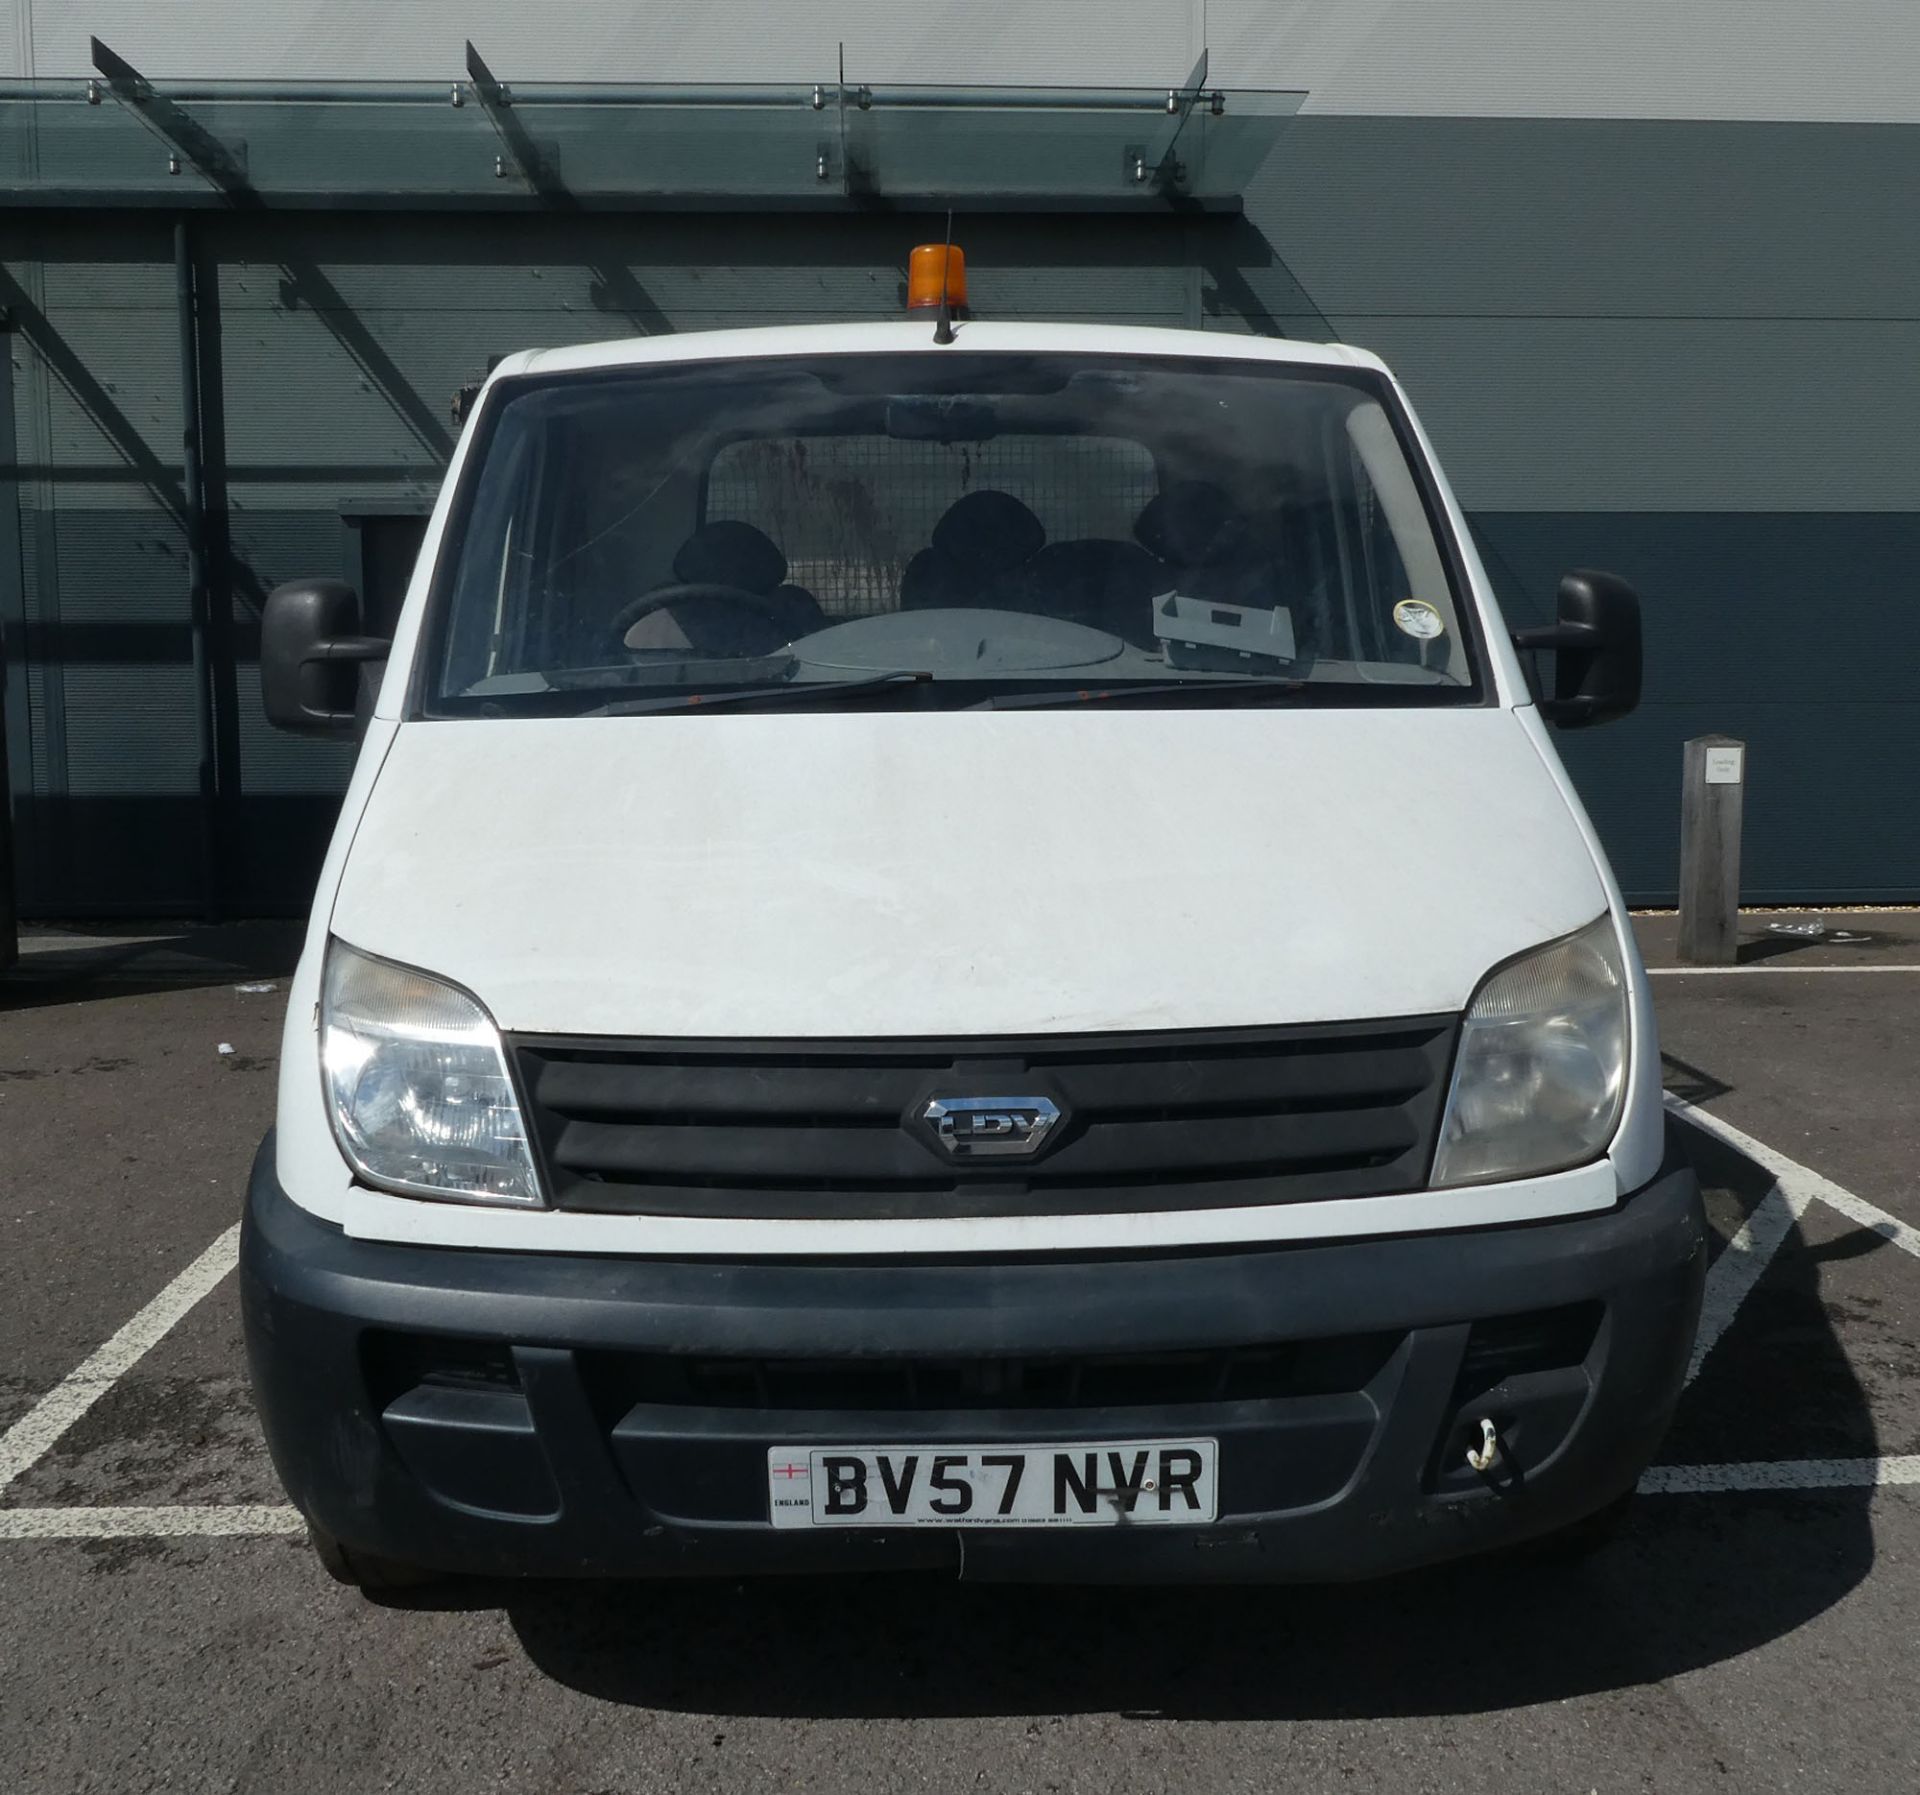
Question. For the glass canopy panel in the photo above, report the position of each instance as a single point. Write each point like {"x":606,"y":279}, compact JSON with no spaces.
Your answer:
{"x":99,"y":142}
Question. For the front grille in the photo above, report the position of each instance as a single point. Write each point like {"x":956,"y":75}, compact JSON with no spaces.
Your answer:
{"x":1260,"y":1373}
{"x":818,"y":1129}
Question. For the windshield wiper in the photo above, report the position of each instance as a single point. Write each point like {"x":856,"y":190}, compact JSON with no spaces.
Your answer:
{"x":1158,"y":689}
{"x":813,"y":691}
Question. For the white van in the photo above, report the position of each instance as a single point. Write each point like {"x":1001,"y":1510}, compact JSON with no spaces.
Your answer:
{"x":964,"y":954}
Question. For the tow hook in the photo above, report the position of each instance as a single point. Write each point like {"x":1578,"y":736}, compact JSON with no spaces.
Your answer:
{"x":1486,"y":1455}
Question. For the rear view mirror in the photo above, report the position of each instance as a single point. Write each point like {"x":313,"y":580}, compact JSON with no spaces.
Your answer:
{"x":1596,"y":649}
{"x":940,"y":418}
{"x":312,"y":659}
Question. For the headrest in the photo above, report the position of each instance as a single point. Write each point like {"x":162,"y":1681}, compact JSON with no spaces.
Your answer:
{"x":1099,"y":566}
{"x":730,"y":554}
{"x":988,"y":532}
{"x":1094,"y":556}
{"x":1191,"y":523}
{"x":930,"y":581}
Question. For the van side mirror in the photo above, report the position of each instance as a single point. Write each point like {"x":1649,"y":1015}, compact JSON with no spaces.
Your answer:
{"x":312,"y":657}
{"x":1596,"y":649}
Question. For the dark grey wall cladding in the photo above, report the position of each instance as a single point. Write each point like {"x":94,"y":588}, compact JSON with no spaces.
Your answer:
{"x":1793,"y":633}
{"x":1689,"y":352}
{"x":1611,"y":315}
{"x":1592,"y":218}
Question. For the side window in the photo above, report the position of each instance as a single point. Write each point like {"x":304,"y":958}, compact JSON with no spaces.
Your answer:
{"x":849,"y":512}
{"x":567,"y":526}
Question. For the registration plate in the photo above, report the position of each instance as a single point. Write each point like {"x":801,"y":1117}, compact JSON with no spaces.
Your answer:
{"x":1124,"y":1483}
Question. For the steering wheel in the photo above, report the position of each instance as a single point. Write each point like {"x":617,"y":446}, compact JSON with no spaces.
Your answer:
{"x":762,"y":604}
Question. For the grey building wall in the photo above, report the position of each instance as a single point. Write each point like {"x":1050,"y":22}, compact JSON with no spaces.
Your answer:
{"x":1844,"y":60}
{"x":1681,"y":347}
{"x":1686,"y":351}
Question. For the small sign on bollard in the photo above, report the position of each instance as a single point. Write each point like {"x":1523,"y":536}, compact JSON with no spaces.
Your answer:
{"x":1713,"y":785}
{"x":1726,"y":763}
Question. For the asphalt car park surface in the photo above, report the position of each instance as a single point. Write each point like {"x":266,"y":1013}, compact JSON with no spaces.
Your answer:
{"x":1753,"y":1628}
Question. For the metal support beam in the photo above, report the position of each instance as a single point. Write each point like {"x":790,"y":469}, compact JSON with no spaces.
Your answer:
{"x":187,"y":143}
{"x":13,"y":671}
{"x":614,"y":279}
{"x":196,"y":533}
{"x":1164,"y":168}
{"x":496,"y":101}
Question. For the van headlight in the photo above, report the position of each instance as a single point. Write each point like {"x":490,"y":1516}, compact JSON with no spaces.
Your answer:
{"x":417,"y":1086}
{"x":1541,"y":1071}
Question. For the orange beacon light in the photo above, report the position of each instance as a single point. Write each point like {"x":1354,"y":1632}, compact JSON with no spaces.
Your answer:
{"x":932,"y":267}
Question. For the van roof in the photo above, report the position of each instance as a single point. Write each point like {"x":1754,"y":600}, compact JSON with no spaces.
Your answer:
{"x":974,"y":336}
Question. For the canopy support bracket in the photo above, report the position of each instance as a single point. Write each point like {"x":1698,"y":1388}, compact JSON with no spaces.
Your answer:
{"x":188,"y":143}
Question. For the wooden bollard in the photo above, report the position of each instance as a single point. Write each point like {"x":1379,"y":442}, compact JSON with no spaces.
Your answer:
{"x":1713,"y":785}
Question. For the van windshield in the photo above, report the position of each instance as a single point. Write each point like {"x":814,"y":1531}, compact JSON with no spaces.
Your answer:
{"x":942,"y":529}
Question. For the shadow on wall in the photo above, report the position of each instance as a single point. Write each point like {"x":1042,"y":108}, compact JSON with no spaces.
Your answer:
{"x":127,"y":619}
{"x":1228,"y":251}
{"x":74,"y":964}
{"x":140,"y":855}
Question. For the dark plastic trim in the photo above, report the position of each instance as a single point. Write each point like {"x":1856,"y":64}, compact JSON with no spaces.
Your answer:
{"x":646,"y":1489}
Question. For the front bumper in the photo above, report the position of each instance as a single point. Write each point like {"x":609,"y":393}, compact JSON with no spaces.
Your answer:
{"x":509,"y":1413}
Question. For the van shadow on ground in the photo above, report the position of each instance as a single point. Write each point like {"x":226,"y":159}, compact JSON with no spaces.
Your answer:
{"x":1693,"y":1580}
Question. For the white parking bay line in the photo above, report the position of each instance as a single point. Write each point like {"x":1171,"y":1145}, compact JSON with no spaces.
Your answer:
{"x":1791,"y":1475}
{"x":1751,"y":1250}
{"x":28,"y":1439}
{"x":1738,"y":1269}
{"x":236,"y":1522}
{"x":1760,"y":966}
{"x":1731,"y":1282}
{"x":1890,"y":1228}
{"x":1802,"y":1183}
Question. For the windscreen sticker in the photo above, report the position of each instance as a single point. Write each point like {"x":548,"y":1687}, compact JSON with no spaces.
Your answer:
{"x":1415,"y":617}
